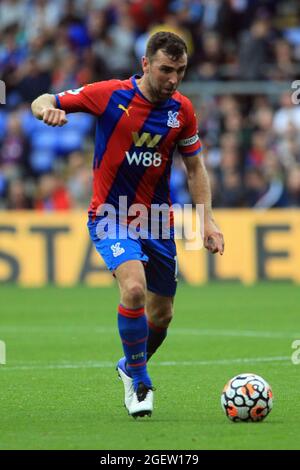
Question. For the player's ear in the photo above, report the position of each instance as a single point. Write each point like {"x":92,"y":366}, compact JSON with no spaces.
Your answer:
{"x":145,"y":64}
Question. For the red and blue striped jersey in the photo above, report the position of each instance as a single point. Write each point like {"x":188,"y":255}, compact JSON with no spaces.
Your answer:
{"x":135,"y":140}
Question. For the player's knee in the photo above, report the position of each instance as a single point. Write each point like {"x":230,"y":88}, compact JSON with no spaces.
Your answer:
{"x":163,"y":317}
{"x":134,"y":295}
{"x":166,"y":320}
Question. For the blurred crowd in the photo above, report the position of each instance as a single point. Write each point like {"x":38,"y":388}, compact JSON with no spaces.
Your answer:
{"x":251,"y":142}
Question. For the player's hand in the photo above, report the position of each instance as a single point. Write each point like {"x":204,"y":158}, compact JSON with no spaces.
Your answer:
{"x":213,"y":238}
{"x":54,"y":117}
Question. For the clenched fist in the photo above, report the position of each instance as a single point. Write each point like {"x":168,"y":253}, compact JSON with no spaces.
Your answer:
{"x":53,"y":117}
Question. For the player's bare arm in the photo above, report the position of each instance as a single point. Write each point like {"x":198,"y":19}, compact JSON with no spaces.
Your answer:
{"x":199,"y":188}
{"x":44,"y":108}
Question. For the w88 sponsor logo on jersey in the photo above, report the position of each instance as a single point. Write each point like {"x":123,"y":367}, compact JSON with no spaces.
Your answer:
{"x":144,"y":158}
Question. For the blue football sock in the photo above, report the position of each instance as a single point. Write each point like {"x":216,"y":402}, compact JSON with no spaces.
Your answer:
{"x":133,"y":331}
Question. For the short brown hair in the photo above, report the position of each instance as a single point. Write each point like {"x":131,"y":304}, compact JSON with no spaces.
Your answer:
{"x":170,"y":43}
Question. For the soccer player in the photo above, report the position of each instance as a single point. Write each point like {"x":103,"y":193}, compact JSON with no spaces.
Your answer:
{"x":140,"y":122}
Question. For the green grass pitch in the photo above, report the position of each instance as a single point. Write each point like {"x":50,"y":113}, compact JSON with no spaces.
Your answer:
{"x":59,"y":389}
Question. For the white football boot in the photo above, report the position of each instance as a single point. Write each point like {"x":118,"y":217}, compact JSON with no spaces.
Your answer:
{"x":142,"y":401}
{"x":127,"y":382}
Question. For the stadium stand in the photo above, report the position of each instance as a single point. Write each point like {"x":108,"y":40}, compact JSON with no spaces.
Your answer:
{"x":251,"y":138}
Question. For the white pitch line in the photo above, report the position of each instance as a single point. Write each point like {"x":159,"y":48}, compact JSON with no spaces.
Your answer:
{"x":107,"y":364}
{"x":51,"y":329}
{"x":235,"y":333}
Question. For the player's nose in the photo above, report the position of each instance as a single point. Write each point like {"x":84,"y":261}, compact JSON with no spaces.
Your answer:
{"x":173,"y":79}
{"x":172,"y":84}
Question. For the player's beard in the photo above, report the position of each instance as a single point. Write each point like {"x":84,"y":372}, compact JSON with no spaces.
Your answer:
{"x":157,"y":94}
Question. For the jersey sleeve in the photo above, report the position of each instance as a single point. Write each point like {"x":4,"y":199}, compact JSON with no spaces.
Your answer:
{"x":91,"y":98}
{"x":189,"y":143}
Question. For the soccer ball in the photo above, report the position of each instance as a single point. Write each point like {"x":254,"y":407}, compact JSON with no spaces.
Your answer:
{"x":247,"y":397}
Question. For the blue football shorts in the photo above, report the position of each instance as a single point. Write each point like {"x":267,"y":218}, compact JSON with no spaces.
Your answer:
{"x":158,"y":256}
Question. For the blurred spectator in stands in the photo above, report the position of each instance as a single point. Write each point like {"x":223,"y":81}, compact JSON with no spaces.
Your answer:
{"x":3,"y":188}
{"x":14,"y":148}
{"x":65,"y":74}
{"x":97,"y":25}
{"x":116,"y":48}
{"x":293,"y":185}
{"x":230,"y":161}
{"x":32,"y":80}
{"x":12,"y":12}
{"x":255,"y":185}
{"x":74,"y":24}
{"x":234,"y":16}
{"x":232,"y":189}
{"x":255,"y":50}
{"x":284,"y":67}
{"x":79,"y":182}
{"x":289,"y":150}
{"x":17,"y":196}
{"x":13,"y":52}
{"x":52,"y":194}
{"x":231,"y":118}
{"x":42,"y":18}
{"x":262,"y":118}
{"x":71,"y":14}
{"x":276,"y":196}
{"x":42,"y":49}
{"x":236,"y":124}
{"x":226,"y":155}
{"x":189,"y":14}
{"x":144,"y":12}
{"x":216,"y":191}
{"x":211,"y":58}
{"x":208,"y":115}
{"x":210,"y":14}
{"x":287,"y":117}
{"x":265,"y":186}
{"x":187,"y":11}
{"x":258,"y":149}
{"x":228,"y":104}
